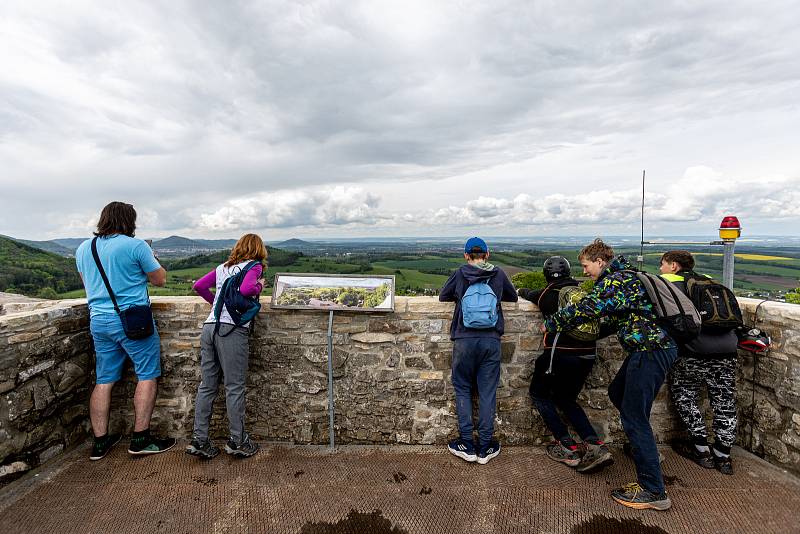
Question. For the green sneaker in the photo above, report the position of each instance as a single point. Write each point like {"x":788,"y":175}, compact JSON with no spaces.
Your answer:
{"x":558,"y":452}
{"x":103,"y":446}
{"x":596,"y":458}
{"x":150,"y":445}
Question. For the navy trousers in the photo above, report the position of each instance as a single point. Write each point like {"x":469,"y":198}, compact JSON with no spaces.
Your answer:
{"x":476,"y":363}
{"x":632,"y":391}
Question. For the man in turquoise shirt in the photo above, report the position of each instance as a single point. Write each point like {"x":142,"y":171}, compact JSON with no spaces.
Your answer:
{"x":129,"y":264}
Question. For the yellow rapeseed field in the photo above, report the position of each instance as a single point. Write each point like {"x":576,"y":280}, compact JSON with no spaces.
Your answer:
{"x":756,"y":257}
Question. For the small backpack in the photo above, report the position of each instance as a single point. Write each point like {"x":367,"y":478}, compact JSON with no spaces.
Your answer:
{"x":718,"y":307}
{"x":674,"y":311}
{"x":569,"y":296}
{"x":240,"y":308}
{"x":479,"y":306}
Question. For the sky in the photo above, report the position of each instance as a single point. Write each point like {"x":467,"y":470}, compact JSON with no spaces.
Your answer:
{"x":415,"y":118}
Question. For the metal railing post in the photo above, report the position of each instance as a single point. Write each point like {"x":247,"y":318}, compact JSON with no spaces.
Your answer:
{"x":727,"y":263}
{"x":331,"y":442}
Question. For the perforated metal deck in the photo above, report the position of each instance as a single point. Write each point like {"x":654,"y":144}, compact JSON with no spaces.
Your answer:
{"x":386,"y":490}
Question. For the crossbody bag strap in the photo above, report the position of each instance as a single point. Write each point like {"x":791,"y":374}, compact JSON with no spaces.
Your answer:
{"x":103,"y":274}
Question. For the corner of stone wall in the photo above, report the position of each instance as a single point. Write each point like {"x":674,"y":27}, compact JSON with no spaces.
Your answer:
{"x":46,"y":370}
{"x":769,"y":388}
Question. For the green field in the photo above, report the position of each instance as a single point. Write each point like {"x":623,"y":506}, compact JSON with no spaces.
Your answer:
{"x":424,"y":274}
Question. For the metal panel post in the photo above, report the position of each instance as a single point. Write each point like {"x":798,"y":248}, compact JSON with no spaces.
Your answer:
{"x":727,"y":263}
{"x":331,"y":443}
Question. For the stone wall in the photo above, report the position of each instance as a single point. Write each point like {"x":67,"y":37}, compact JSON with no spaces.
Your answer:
{"x":46,"y":368}
{"x":391,"y":376}
{"x":391,"y":379}
{"x":770,"y":413}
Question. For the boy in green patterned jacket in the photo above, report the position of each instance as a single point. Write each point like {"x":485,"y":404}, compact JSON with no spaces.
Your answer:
{"x":621,"y":299}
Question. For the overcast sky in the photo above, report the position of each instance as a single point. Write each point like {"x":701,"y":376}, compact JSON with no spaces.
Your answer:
{"x":373,"y":118}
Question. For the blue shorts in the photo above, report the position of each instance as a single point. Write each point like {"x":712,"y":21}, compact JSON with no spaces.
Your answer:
{"x":111,"y":346}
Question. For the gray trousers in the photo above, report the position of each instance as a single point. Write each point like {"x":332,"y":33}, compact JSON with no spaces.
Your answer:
{"x":230,"y":360}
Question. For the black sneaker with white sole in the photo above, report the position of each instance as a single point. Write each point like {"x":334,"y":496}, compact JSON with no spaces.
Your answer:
{"x":690,"y":452}
{"x":244,"y":449}
{"x":463,"y":449}
{"x":102,"y":446}
{"x":145,"y":445}
{"x":202,"y":449}
{"x":488,"y":451}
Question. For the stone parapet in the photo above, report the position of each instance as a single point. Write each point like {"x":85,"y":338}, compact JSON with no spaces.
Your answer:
{"x":391,"y":379}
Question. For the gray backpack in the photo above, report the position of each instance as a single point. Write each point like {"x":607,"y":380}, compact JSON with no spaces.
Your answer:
{"x":675,"y":312}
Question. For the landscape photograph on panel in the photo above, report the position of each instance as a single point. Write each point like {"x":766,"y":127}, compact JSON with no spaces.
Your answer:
{"x":333,"y":292}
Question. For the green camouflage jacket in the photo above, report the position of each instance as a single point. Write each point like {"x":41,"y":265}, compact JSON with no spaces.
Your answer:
{"x":622,"y":300}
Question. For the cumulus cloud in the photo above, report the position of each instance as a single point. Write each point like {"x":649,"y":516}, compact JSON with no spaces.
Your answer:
{"x":701,"y":194}
{"x":325,"y":207}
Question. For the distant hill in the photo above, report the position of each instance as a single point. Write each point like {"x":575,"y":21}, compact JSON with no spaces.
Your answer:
{"x":71,"y":243}
{"x":216,"y":243}
{"x":181,"y":247}
{"x":176,"y":241}
{"x":296,"y":243}
{"x":277,"y":258}
{"x":47,"y":246}
{"x":34,"y":272}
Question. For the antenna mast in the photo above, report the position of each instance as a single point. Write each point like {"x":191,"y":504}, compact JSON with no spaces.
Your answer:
{"x":640,"y":259}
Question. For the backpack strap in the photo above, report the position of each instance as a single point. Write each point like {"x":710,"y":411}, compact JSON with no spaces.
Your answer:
{"x":97,"y":262}
{"x":539,"y":300}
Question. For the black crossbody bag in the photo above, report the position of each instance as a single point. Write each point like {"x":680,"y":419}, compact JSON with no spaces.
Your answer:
{"x":137,"y":321}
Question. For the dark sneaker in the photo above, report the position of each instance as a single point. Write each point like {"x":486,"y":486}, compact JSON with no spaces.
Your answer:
{"x":723,"y":464}
{"x":596,"y":458}
{"x":245,"y":449}
{"x":488,"y":451}
{"x":626,"y":448}
{"x":634,"y":496}
{"x":203,"y":449}
{"x":102,"y":446}
{"x":689,"y":451}
{"x":560,"y":453}
{"x":463,"y":449}
{"x":150,"y":445}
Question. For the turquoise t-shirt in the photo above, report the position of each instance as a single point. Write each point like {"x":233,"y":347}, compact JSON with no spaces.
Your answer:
{"x":127,"y":261}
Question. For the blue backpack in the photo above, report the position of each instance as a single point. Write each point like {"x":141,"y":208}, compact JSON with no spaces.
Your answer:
{"x":479,"y":306}
{"x":241,"y":309}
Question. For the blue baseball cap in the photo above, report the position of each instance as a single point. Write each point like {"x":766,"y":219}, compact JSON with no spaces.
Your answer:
{"x":475,"y":242}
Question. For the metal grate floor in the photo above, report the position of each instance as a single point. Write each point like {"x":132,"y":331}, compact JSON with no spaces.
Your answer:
{"x":386,"y":490}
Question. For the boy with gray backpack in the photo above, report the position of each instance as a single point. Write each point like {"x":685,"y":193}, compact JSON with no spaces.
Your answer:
{"x":477,"y":288}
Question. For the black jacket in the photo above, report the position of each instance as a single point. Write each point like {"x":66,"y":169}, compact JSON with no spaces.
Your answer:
{"x":547,"y":300}
{"x":456,"y":286}
{"x":706,"y":345}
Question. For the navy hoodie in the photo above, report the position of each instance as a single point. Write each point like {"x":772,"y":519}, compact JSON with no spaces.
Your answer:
{"x":456,"y":286}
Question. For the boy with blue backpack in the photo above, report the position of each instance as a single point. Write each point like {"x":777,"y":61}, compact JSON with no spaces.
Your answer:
{"x":477,"y":288}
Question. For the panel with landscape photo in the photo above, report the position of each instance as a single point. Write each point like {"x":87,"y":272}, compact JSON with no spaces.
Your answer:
{"x":367,"y":293}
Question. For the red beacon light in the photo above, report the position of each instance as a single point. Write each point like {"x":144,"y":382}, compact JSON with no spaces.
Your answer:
{"x":730,"y":228}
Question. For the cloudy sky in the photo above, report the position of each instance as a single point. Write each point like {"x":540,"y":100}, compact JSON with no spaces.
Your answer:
{"x":386,"y":118}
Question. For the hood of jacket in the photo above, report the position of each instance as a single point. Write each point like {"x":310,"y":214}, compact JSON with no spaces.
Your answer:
{"x":473,"y":273}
